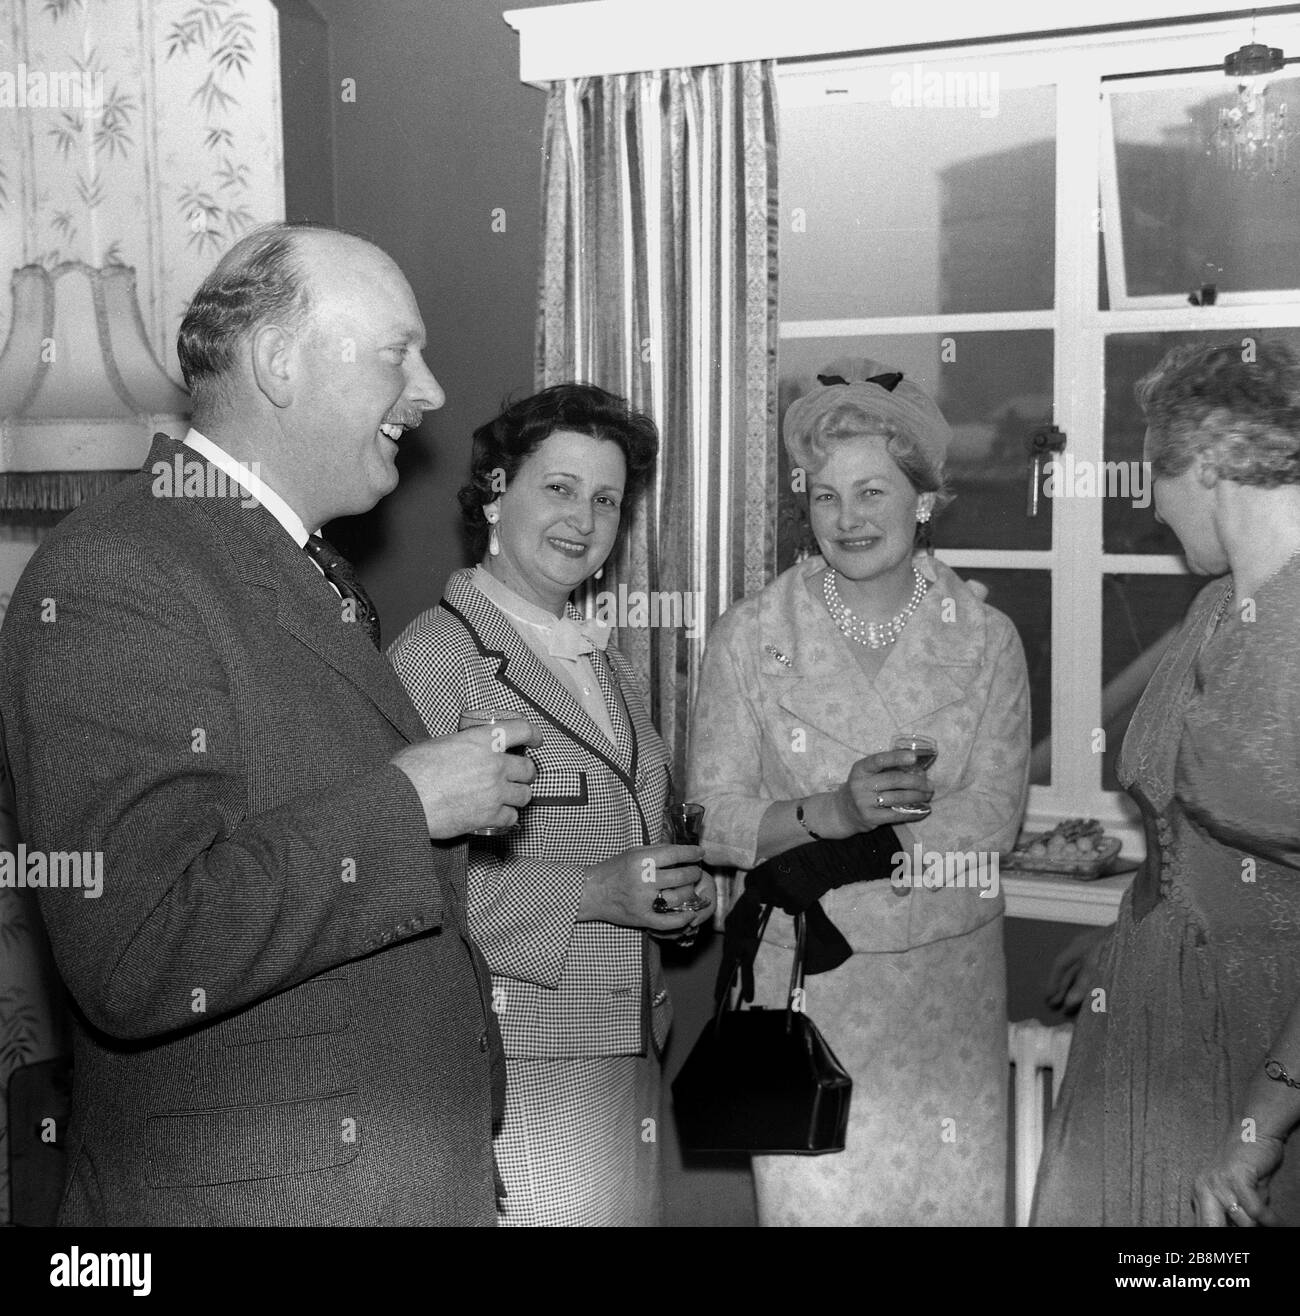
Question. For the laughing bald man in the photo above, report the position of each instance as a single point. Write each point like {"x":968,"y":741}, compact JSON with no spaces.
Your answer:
{"x":279,"y":1016}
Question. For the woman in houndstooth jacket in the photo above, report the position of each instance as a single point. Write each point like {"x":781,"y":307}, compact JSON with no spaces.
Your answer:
{"x":562,"y":905}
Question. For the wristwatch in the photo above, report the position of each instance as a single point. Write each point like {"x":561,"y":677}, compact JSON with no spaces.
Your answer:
{"x":1274,"y":1069}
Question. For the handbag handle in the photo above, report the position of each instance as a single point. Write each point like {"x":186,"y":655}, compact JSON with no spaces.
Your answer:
{"x":796,"y":970}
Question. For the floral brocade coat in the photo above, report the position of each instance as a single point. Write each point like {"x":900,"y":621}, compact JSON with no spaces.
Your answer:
{"x":917,"y":1015}
{"x":785,"y":711}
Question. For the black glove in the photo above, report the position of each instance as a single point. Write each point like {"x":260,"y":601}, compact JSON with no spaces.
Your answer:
{"x":798,"y":878}
{"x":794,"y":882}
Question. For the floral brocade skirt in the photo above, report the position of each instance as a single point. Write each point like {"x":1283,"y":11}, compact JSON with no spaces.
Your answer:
{"x":923,"y":1033}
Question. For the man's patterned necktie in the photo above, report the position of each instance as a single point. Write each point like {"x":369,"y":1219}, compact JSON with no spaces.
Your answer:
{"x":341,"y":574}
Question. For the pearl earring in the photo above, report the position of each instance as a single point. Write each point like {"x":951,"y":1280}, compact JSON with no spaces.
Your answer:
{"x":600,"y":572}
{"x":924,"y":542}
{"x":494,"y":540}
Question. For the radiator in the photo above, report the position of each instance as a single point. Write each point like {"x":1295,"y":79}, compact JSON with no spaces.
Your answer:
{"x":1037,"y":1051}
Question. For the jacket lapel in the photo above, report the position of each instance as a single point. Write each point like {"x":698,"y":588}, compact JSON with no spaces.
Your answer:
{"x":625,"y":737}
{"x":929,"y":668}
{"x":518,"y":668}
{"x":308,"y":609}
{"x":306,"y":605}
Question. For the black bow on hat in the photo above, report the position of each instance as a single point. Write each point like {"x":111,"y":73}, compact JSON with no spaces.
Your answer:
{"x":888,"y":382}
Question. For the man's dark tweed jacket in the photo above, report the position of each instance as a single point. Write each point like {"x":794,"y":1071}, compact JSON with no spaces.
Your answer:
{"x":279,"y":1016}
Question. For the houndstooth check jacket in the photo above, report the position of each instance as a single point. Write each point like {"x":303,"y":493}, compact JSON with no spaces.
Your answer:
{"x":560,"y":988}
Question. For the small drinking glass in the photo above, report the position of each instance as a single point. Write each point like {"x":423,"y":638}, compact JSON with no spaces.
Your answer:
{"x":687,"y":822}
{"x":484,"y":717}
{"x":926,"y":750}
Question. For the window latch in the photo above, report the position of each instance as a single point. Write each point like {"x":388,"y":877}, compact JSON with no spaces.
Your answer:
{"x":1045,"y":441}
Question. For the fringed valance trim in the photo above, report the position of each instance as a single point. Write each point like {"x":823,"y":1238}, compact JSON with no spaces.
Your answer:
{"x":52,"y":491}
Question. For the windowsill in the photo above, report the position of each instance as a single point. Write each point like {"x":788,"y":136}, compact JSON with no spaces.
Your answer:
{"x":1058,"y":899}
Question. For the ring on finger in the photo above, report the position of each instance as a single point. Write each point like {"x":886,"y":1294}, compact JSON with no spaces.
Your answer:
{"x":880,"y":800}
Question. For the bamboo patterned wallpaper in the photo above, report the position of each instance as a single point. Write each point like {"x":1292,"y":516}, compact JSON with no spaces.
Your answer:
{"x":179,"y":154}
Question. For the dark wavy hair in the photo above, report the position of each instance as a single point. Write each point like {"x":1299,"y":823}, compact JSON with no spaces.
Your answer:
{"x":505,"y":443}
{"x":1238,"y":403}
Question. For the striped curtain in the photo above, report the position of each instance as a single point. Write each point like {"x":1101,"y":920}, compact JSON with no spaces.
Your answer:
{"x":659,"y":283}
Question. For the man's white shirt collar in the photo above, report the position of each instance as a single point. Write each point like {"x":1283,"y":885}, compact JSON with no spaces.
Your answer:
{"x":250,"y":480}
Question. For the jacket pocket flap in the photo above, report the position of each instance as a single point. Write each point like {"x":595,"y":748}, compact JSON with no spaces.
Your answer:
{"x":193,"y":1147}
{"x":560,"y":786}
{"x":319,"y":1005}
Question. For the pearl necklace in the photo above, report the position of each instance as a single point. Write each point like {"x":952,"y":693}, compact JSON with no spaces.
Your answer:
{"x":874,"y":634}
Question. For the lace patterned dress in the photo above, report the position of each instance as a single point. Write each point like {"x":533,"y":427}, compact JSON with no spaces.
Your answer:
{"x":1204,"y":963}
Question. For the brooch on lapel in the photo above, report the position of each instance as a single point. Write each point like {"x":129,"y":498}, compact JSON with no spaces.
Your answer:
{"x":778,"y":655}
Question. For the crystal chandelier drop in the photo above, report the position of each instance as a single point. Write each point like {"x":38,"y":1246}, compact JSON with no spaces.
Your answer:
{"x":1252,"y":134}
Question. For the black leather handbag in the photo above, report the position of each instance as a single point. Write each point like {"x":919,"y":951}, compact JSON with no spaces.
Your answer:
{"x":761,"y":1080}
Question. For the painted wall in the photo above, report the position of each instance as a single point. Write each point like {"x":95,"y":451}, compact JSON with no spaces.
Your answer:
{"x":437,"y":158}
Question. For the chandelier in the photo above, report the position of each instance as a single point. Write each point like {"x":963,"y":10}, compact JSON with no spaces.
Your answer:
{"x":1252,"y":136}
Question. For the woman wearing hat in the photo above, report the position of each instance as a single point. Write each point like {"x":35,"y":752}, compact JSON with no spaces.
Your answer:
{"x":804,"y":687}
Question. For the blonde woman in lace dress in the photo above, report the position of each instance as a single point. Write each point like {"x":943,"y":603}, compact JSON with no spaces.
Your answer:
{"x":1183,"y":1088}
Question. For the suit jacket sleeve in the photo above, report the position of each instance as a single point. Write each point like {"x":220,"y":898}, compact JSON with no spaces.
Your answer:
{"x":126,"y":738}
{"x":521,"y":911}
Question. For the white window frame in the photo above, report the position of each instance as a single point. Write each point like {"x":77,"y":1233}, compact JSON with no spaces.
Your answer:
{"x":1116,"y":269}
{"x":1084,"y":160}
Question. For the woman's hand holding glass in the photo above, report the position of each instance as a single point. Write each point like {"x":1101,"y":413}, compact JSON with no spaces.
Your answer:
{"x":624,"y":890}
{"x":883,"y":789}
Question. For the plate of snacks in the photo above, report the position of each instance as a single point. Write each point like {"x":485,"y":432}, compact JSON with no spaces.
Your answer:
{"x":1078,"y":847}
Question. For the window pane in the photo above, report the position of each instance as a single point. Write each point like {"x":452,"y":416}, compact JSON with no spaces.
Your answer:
{"x":1187,"y":219}
{"x":1138,"y":616}
{"x":1126,"y":528}
{"x":1026,"y":597}
{"x":914,"y":209}
{"x":994,"y":388}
